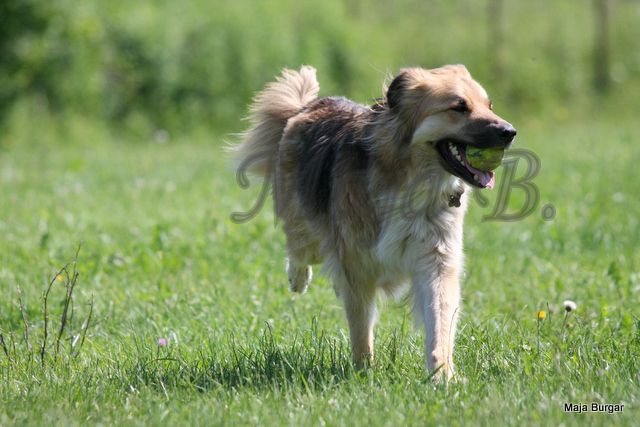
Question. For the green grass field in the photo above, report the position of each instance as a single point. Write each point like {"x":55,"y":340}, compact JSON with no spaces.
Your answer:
{"x":161,"y":259}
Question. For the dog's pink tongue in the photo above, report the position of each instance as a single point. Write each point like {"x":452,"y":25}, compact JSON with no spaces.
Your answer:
{"x":486,"y":178}
{"x":490,"y":182}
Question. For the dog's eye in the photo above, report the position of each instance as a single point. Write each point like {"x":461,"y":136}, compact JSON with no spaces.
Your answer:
{"x":461,"y":106}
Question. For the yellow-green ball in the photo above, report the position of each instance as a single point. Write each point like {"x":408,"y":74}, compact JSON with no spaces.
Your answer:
{"x":484,"y":159}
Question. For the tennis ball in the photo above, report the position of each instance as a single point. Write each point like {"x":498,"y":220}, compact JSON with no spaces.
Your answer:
{"x":484,"y":159}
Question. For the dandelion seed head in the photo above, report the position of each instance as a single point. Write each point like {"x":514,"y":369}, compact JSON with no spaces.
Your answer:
{"x":569,"y":305}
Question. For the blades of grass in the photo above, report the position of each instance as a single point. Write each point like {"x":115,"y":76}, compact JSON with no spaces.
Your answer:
{"x":70,"y":285}
{"x":4,"y":348}
{"x":63,"y":317}
{"x":83,"y":333}
{"x":25,"y":320}
{"x":45,"y":313}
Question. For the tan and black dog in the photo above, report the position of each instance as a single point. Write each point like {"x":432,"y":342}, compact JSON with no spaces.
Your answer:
{"x":377,"y":193}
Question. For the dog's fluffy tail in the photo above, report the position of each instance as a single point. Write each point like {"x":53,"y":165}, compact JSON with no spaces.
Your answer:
{"x":268,"y":115}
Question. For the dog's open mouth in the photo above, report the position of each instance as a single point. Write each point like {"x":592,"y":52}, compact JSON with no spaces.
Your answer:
{"x":454,"y":159}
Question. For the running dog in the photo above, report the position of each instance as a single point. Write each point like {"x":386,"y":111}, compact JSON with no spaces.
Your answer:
{"x":377,"y":194}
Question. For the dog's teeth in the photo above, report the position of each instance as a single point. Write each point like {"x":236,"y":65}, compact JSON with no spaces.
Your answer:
{"x":476,"y":177}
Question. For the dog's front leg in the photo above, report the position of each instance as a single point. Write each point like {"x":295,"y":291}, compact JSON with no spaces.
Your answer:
{"x":437,"y":303}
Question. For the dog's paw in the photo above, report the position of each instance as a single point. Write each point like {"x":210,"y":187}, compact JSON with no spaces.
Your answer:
{"x":443,"y":376}
{"x":299,"y":277}
{"x":442,"y":370}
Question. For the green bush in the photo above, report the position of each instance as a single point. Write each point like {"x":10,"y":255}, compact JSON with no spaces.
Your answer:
{"x":179,"y":65}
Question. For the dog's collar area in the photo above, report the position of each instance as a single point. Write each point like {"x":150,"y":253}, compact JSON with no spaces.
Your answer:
{"x":454,"y":199}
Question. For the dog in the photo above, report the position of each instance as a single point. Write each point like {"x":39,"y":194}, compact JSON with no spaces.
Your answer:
{"x":378,"y":193}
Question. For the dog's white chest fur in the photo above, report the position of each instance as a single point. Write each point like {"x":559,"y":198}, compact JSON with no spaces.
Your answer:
{"x":420,"y":227}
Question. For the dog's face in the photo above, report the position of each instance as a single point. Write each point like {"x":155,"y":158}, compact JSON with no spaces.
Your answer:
{"x":448,"y":111}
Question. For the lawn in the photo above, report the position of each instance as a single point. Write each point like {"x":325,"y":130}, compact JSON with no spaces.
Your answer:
{"x":161,"y":260}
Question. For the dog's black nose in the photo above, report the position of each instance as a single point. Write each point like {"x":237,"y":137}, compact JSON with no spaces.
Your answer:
{"x":507,"y":132}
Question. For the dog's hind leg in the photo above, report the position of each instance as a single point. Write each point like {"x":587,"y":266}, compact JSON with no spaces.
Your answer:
{"x":300,"y":275}
{"x":303,"y":252}
{"x":360,"y":307}
{"x":361,"y":315}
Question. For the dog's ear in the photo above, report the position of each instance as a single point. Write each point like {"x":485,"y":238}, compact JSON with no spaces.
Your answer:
{"x":396,"y":89}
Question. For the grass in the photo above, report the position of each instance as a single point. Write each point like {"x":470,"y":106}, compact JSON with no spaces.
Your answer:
{"x":161,"y":259}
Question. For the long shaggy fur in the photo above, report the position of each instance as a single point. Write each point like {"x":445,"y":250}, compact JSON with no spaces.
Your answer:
{"x":375,"y":193}
{"x":268,"y":116}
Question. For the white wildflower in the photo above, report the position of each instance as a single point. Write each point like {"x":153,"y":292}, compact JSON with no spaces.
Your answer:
{"x":569,"y":305}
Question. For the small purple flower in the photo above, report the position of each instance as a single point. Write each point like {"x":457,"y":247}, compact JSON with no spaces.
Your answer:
{"x":163,"y":342}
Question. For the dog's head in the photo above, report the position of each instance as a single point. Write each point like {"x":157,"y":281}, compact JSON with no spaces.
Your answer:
{"x":447,"y":111}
